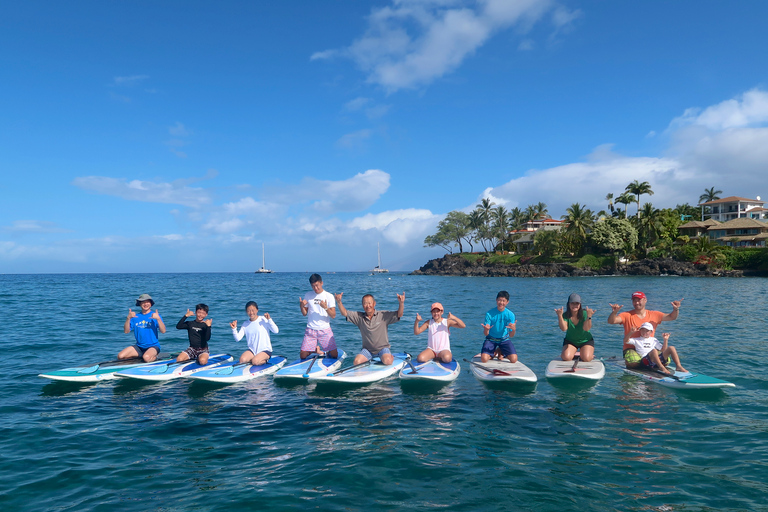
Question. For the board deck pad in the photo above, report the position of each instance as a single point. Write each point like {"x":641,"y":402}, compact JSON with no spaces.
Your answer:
{"x":234,"y":371}
{"x":516,"y":372}
{"x":297,"y":370}
{"x":559,"y":369}
{"x":431,"y":371}
{"x":164,"y":370}
{"x":681,"y":380}
{"x":373,"y":371}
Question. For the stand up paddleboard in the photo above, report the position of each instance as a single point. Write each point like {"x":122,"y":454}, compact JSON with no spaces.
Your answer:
{"x":228,"y":373}
{"x":303,"y":369}
{"x":680,"y":380}
{"x":577,"y":369}
{"x":501,"y":371}
{"x":101,"y":371}
{"x":364,"y":373}
{"x":431,"y":371}
{"x":165,"y":370}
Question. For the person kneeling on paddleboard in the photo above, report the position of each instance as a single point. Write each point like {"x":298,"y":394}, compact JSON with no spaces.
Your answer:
{"x":576,"y":322}
{"x":438,"y":337}
{"x":256,"y":331}
{"x":199,"y":332}
{"x":649,"y":348}
{"x":373,"y":327}
{"x":145,"y":327}
{"x":500,"y":325}
{"x":319,"y":307}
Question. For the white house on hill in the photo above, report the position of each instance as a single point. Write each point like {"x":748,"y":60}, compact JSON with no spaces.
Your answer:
{"x":733,"y":207}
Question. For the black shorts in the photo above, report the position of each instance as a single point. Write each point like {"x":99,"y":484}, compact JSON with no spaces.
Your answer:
{"x":590,"y":343}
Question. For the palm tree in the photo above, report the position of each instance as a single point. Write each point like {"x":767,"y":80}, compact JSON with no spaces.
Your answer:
{"x":639,"y":189}
{"x":625,"y":198}
{"x":648,"y":225}
{"x":609,"y":198}
{"x":579,"y":220}
{"x":541,"y":210}
{"x":477,"y":224}
{"x":710,"y":194}
{"x":486,"y":206}
{"x":501,"y":223}
{"x":515,"y":218}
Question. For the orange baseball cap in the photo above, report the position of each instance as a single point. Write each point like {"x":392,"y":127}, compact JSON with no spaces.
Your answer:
{"x":437,"y":305}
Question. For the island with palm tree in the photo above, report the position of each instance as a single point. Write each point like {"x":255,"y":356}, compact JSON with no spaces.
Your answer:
{"x":495,"y":241}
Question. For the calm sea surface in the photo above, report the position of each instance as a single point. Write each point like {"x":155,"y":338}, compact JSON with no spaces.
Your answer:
{"x":622,"y":444}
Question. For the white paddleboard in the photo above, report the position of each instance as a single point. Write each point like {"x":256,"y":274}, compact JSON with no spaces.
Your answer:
{"x":372,"y":371}
{"x":501,"y":371}
{"x":164,"y":370}
{"x":234,"y":371}
{"x":431,"y":371}
{"x":303,"y":369}
{"x":592,"y":370}
{"x":100,"y":371}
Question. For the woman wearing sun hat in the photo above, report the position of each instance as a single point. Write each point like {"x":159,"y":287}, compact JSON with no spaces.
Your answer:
{"x":576,"y":323}
{"x":145,"y":326}
{"x":438,"y":338}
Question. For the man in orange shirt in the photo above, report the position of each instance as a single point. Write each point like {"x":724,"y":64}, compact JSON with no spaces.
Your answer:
{"x":632,"y":320}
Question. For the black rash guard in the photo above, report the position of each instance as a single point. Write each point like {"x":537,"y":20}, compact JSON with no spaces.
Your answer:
{"x":199,"y":332}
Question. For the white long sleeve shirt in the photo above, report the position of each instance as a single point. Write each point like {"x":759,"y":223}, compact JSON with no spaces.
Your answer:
{"x":257,"y":334}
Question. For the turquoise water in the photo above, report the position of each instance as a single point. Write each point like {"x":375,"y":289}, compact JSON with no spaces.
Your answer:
{"x":622,"y":444}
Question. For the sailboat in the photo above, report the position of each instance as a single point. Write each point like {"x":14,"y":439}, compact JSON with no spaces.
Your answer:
{"x":263,"y":269}
{"x":377,"y":269}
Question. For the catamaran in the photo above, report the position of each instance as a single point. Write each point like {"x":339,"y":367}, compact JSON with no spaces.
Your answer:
{"x":263,"y":269}
{"x":377,"y":269}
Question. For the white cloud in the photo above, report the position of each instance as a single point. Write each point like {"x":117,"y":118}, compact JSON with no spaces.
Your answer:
{"x":145,"y":191}
{"x":724,"y":145}
{"x":129,"y":80}
{"x":33,"y":226}
{"x":354,"y":139}
{"x":413,"y":42}
{"x":179,"y":130}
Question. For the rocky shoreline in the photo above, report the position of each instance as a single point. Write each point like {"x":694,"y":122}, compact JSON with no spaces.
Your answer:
{"x":456,"y":265}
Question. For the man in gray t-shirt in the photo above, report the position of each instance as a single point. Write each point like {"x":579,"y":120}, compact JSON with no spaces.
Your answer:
{"x":373,"y":327}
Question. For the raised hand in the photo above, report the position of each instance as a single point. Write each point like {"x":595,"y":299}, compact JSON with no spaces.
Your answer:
{"x":324,"y":304}
{"x":676,"y":303}
{"x":337,"y":296}
{"x":156,"y":316}
{"x":233,"y":324}
{"x":188,"y":313}
{"x":208,"y":322}
{"x":615,"y":308}
{"x":590,"y":312}
{"x":303,"y":302}
{"x":401,"y":298}
{"x":511,"y":325}
{"x":266,"y":315}
{"x":559,"y":311}
{"x":418,"y":317}
{"x":131,"y":313}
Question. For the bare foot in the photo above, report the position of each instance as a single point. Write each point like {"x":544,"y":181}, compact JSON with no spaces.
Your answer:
{"x":681,"y":369}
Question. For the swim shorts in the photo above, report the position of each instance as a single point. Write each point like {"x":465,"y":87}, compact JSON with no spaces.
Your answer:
{"x":313,"y":337}
{"x":490,"y":345}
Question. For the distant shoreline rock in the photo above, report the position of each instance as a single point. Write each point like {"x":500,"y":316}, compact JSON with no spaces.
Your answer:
{"x":456,"y":265}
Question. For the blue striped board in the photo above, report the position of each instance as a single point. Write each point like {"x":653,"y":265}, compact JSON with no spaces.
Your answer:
{"x":316,"y":365}
{"x":680,"y":380}
{"x":365,"y":373}
{"x":164,"y":370}
{"x":433,"y":371}
{"x":234,"y":371}
{"x":100,"y":371}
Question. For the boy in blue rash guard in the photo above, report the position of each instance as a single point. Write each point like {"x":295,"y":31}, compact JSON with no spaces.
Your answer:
{"x":145,"y":326}
{"x":500,"y":325}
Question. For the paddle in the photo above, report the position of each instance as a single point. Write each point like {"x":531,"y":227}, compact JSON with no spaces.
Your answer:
{"x":339,"y":372}
{"x":575,"y":363}
{"x":413,"y":368}
{"x":314,"y":357}
{"x":493,"y":371}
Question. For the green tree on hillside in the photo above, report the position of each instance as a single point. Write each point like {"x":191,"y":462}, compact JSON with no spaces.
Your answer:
{"x":710,"y":194}
{"x":615,"y":235}
{"x":579,"y":220}
{"x":453,"y":229}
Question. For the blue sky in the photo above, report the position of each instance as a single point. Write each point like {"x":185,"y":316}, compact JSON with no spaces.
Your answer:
{"x":179,"y":136}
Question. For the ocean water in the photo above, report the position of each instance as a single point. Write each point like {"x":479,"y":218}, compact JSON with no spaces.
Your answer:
{"x":621,"y":444}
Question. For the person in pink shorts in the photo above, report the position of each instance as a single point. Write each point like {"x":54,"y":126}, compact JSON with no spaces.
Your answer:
{"x":438,"y":337}
{"x":319,"y":307}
